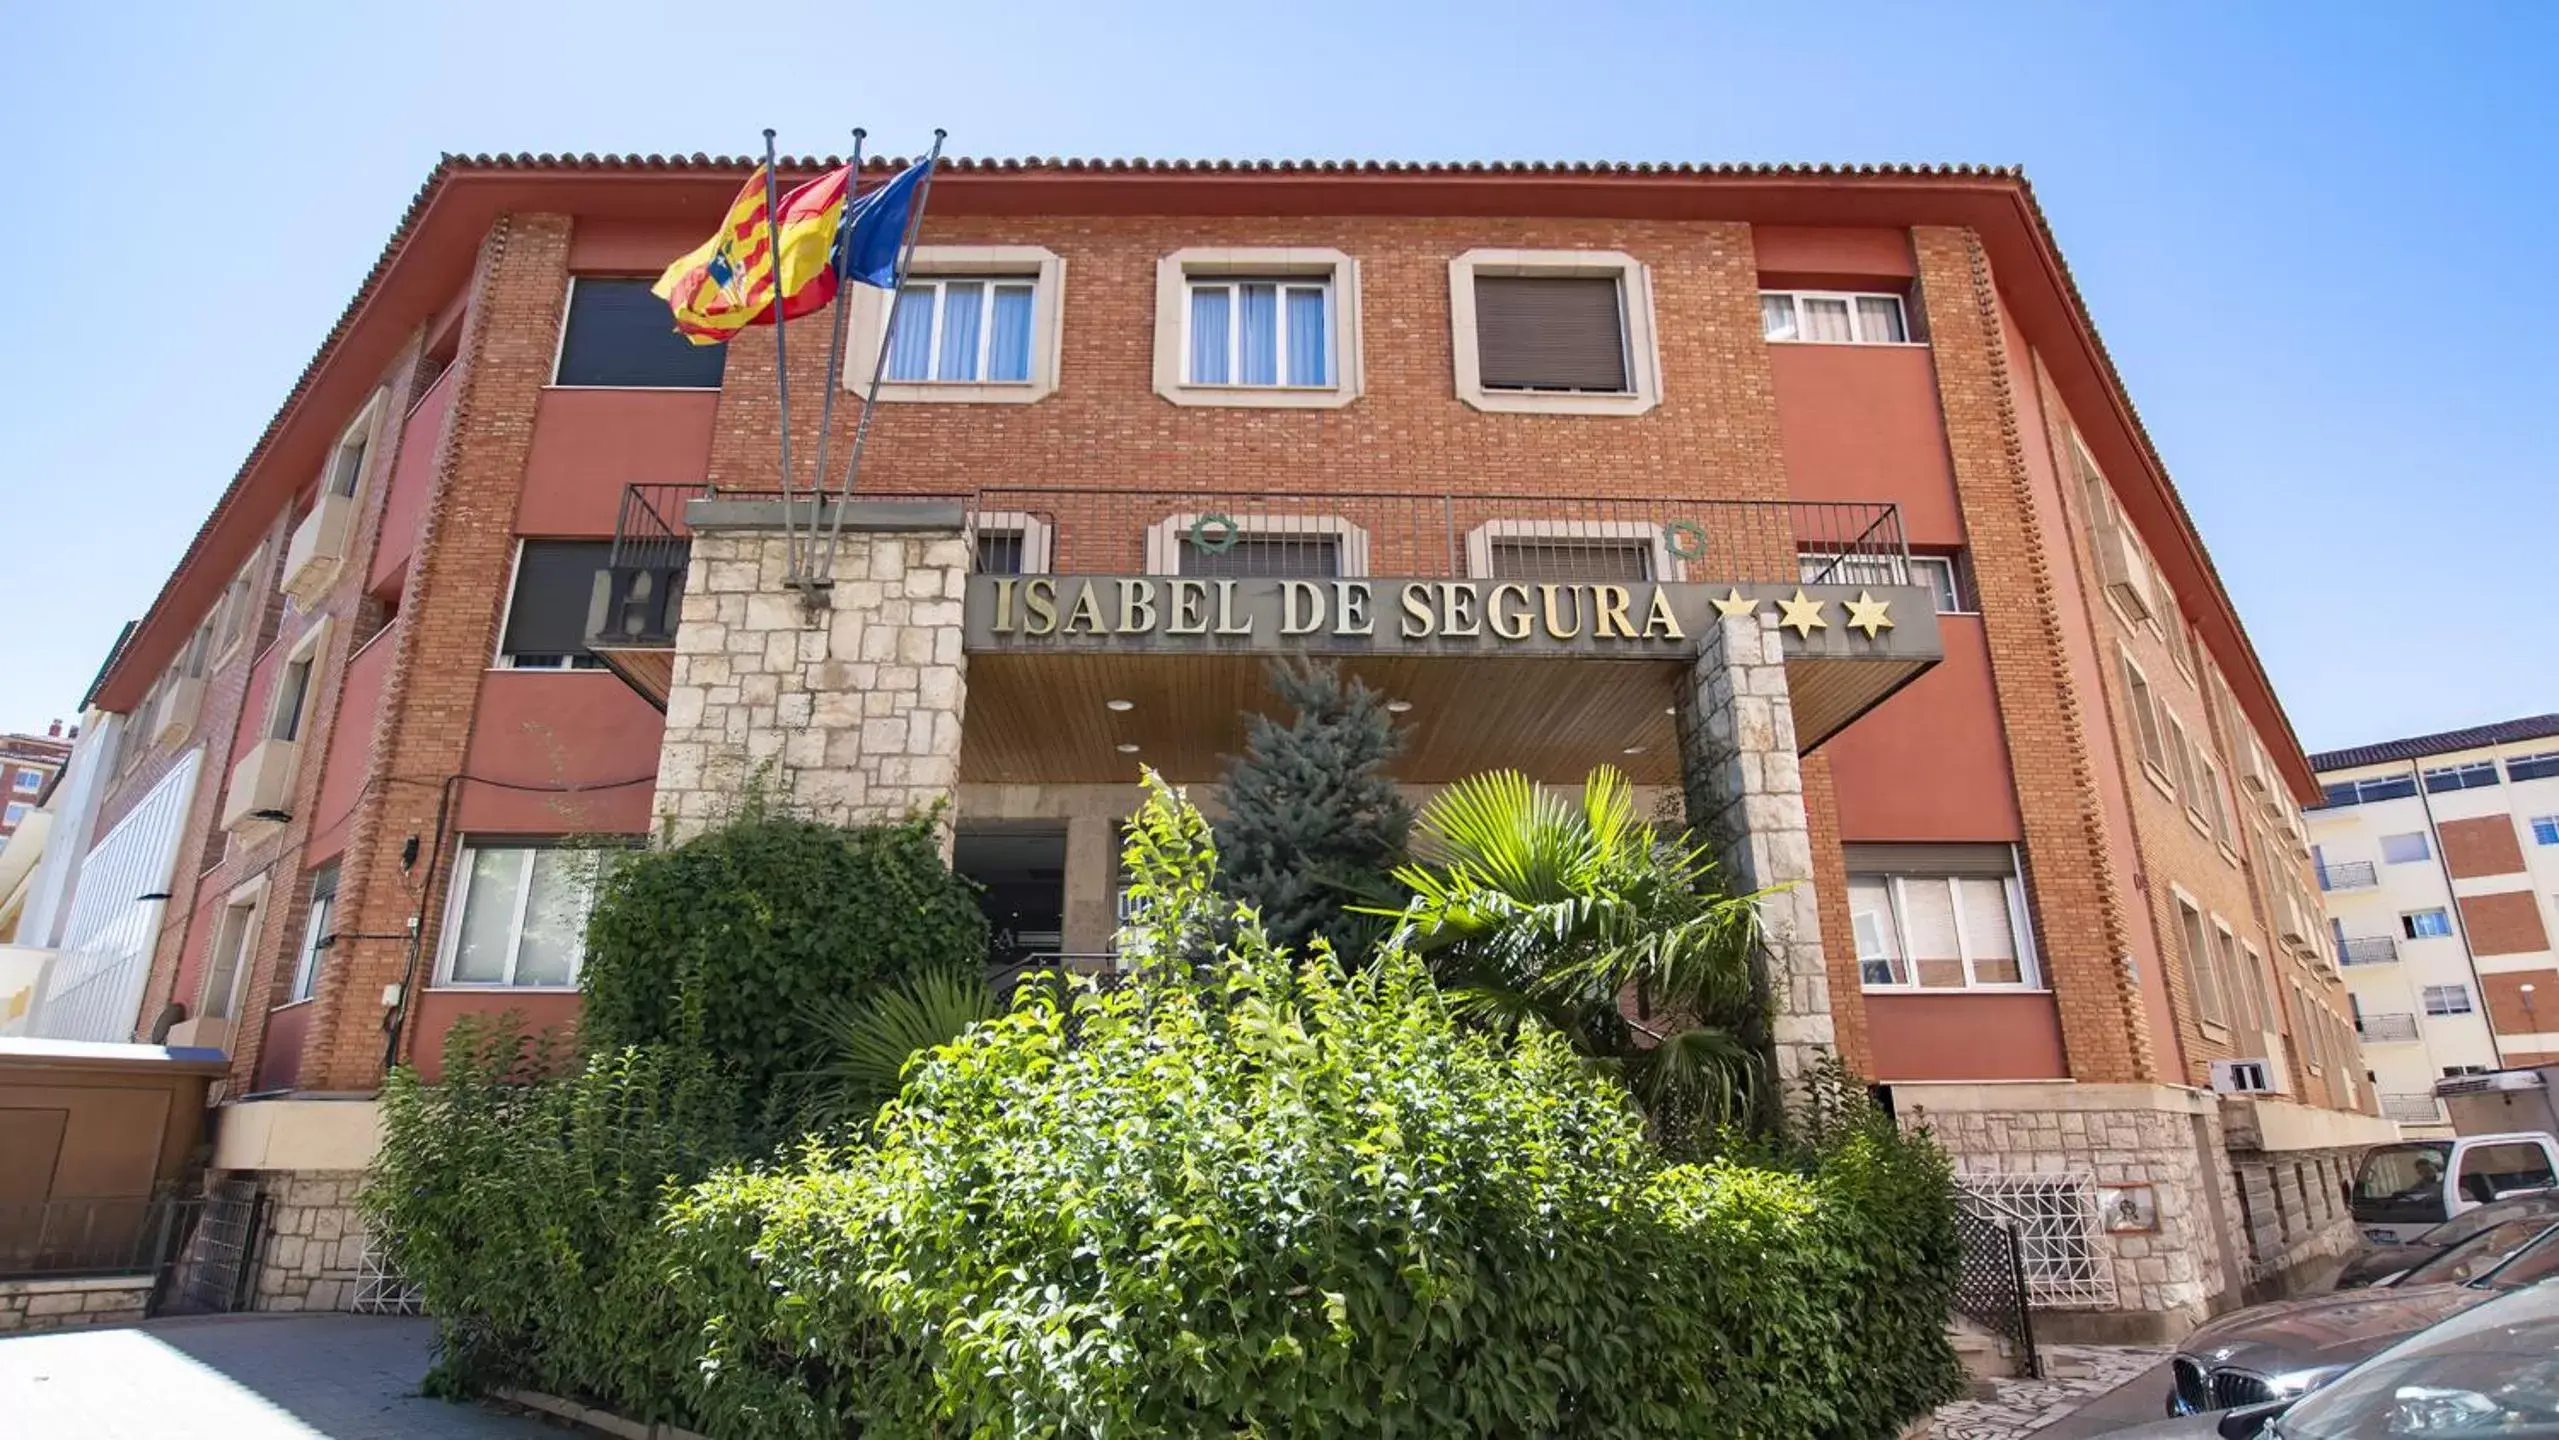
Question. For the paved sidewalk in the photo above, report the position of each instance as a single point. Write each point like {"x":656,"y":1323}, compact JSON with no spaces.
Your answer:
{"x":243,"y":1377}
{"x":2097,"y":1388}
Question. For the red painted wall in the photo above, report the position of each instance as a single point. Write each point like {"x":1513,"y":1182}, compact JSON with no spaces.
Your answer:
{"x":280,"y":1057}
{"x":438,"y":1009}
{"x":588,"y":444}
{"x":1965,"y":1037}
{"x":1860,"y":422}
{"x":1930,"y":763}
{"x":350,"y":747}
{"x":412,"y":477}
{"x":552,"y":729}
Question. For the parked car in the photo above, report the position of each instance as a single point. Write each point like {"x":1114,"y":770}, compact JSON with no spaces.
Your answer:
{"x":2382,"y":1264}
{"x":2401,"y":1191}
{"x":2490,"y":1372}
{"x":2288,"y":1348}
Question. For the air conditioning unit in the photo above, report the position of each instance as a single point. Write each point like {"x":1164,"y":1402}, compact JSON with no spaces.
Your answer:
{"x":2121,"y":565}
{"x":319,"y":543}
{"x":261,"y":784}
{"x":173,"y":719}
{"x":2243,"y":1077}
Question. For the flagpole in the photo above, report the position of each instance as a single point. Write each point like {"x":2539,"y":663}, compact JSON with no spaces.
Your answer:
{"x":781,"y":356}
{"x":840,"y":254}
{"x":880,"y":361}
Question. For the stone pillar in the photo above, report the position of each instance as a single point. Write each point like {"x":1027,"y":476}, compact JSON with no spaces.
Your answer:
{"x":1746,"y":801}
{"x":846,"y":710}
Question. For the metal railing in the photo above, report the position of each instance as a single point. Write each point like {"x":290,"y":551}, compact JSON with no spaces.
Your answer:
{"x":94,"y":1235}
{"x":2397,"y":1027}
{"x":2368,"y":950}
{"x":2348,"y":875}
{"x":2412,"y":1109}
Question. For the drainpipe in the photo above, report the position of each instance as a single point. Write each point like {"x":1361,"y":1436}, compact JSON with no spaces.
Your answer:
{"x":2460,"y":923}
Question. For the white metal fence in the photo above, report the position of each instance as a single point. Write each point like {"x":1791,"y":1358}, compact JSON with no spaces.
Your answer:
{"x":94,"y":988}
{"x":2055,"y":1217}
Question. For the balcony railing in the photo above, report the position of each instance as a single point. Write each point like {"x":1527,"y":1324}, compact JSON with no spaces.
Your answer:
{"x":2348,"y":875}
{"x":2412,"y":1109}
{"x":2368,"y":950}
{"x":2394,"y":1028}
{"x":96,"y":1235}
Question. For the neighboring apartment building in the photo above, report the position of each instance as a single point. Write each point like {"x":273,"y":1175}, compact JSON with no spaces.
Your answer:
{"x":2438,"y":859}
{"x":1809,"y":493}
{"x":28,"y":764}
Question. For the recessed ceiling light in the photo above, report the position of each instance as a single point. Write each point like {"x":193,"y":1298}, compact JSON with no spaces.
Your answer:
{"x":1670,"y":709}
{"x":1398,"y":707}
{"x":1633,"y":750}
{"x":1126,"y":747}
{"x":1121,"y":706}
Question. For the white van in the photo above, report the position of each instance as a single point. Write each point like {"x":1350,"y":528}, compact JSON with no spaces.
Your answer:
{"x":2415,"y":1185}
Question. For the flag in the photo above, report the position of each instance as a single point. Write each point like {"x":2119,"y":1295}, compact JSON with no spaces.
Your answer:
{"x":720,"y":287}
{"x":868,"y":248}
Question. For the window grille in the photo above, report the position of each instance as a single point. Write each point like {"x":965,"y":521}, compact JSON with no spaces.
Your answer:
{"x":2055,"y":1217}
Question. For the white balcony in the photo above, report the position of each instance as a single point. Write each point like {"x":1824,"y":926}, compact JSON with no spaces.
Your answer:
{"x":2395,"y":1028}
{"x":2369,"y":950}
{"x":2412,"y":1109}
{"x":319,"y":545}
{"x":261,"y":784}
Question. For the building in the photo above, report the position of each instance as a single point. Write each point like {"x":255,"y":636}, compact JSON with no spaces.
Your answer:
{"x":2438,"y":864}
{"x":1810,"y":495}
{"x":28,"y":764}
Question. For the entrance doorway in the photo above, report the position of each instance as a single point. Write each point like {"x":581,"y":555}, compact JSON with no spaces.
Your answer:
{"x":1020,"y":872}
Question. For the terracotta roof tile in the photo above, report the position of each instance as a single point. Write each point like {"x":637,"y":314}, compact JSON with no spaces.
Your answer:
{"x":2477,"y":737}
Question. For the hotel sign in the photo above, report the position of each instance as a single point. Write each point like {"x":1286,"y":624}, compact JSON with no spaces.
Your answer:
{"x":1270,"y":615}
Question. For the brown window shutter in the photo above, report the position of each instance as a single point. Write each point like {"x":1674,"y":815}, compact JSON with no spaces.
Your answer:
{"x":1550,"y":332}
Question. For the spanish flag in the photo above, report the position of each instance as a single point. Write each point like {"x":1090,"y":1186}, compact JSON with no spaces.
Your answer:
{"x":728,"y":283}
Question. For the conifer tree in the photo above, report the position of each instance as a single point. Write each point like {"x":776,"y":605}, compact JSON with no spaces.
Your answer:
{"x":1313,"y":823}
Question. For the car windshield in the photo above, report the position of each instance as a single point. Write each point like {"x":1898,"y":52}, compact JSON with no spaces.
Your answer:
{"x":2461,"y":1227}
{"x":2534,"y":1263}
{"x":2492,"y":1371}
{"x":2473,"y":1258}
{"x":2412,"y":1171}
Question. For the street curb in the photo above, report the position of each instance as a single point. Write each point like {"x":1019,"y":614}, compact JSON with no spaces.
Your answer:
{"x":603,"y":1420}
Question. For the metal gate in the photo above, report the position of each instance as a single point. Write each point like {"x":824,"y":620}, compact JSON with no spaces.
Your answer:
{"x":1990,"y":1286}
{"x":217,"y":1265}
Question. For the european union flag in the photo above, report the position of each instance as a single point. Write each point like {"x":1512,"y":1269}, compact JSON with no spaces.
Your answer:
{"x":874,"y":230}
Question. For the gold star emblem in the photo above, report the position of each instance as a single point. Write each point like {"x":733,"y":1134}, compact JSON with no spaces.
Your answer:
{"x":1803,"y":612}
{"x":1734,"y":602}
{"x":1869,"y":614}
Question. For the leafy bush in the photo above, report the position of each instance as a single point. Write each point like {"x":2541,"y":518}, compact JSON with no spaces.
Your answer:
{"x":730,"y":946}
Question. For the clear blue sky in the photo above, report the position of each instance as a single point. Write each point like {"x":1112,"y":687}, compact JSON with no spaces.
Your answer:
{"x":2318,"y":238}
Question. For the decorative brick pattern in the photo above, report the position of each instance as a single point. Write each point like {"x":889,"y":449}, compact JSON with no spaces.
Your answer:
{"x":1746,"y":800}
{"x":33,"y":1305}
{"x":313,"y":1257}
{"x":2480,"y":845}
{"x":2505,"y":923}
{"x":850,"y":711}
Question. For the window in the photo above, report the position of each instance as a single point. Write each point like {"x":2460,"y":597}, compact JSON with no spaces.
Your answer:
{"x":518,"y":914}
{"x":618,"y":335}
{"x":1569,"y":550}
{"x":1553,"y":332}
{"x":1246,"y":331}
{"x":2201,"y":973}
{"x":546,"y":617}
{"x":2363,"y":792}
{"x":235,"y":616}
{"x":15,"y":814}
{"x":2145,"y":715}
{"x":2209,"y":777}
{"x":228,"y":958}
{"x":999,"y":552}
{"x":1299,"y":546}
{"x":2425,"y":924}
{"x":2243,"y":1010}
{"x":1942,"y":931}
{"x":2534,"y":767}
{"x":2181,"y":762}
{"x":2447,"y":999}
{"x":346,"y":462}
{"x":965,"y":331}
{"x":2455,"y":1072}
{"x":2473,"y":776}
{"x":292,"y":697}
{"x":1824,"y":318}
{"x":2181,"y":641}
{"x":2545,"y":829}
{"x":1266,"y":327}
{"x":1941,"y":575}
{"x":2252,"y":970}
{"x":319,"y":932}
{"x":2405,"y":849}
{"x":27,"y":782}
{"x":2488,"y":1171}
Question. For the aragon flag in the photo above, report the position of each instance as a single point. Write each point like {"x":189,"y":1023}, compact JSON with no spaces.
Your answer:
{"x":720,"y":287}
{"x":729,"y":282}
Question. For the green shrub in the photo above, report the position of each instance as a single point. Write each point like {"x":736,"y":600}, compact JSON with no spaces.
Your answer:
{"x":731,"y":945}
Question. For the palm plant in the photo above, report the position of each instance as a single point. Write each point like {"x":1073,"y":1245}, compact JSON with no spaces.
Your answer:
{"x":865,"y":1043}
{"x":1587,"y":919}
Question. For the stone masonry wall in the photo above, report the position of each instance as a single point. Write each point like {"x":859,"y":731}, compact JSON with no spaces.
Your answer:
{"x":314,"y":1242}
{"x":849,"y":712}
{"x":2292,"y":1206}
{"x":1746,"y":799}
{"x":32,"y":1305}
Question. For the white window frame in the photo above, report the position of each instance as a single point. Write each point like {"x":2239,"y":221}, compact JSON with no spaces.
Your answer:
{"x":940,"y":285}
{"x":1481,"y":539}
{"x":306,"y":961}
{"x":1174,"y":274}
{"x":1232,"y":284}
{"x":2150,"y":736}
{"x":2545,"y":829}
{"x":1166,"y":537}
{"x":306,"y":651}
{"x":2427,"y":995}
{"x":2201,"y":967}
{"x":26,"y":780}
{"x":16,"y":813}
{"x":1035,"y":533}
{"x":364,"y":429}
{"x":1856,"y":320}
{"x":457,"y":900}
{"x":2029,"y":966}
{"x":251,"y":897}
{"x":1637,"y":329}
{"x":500,"y":658}
{"x":2409,"y":932}
{"x":867,"y":325}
